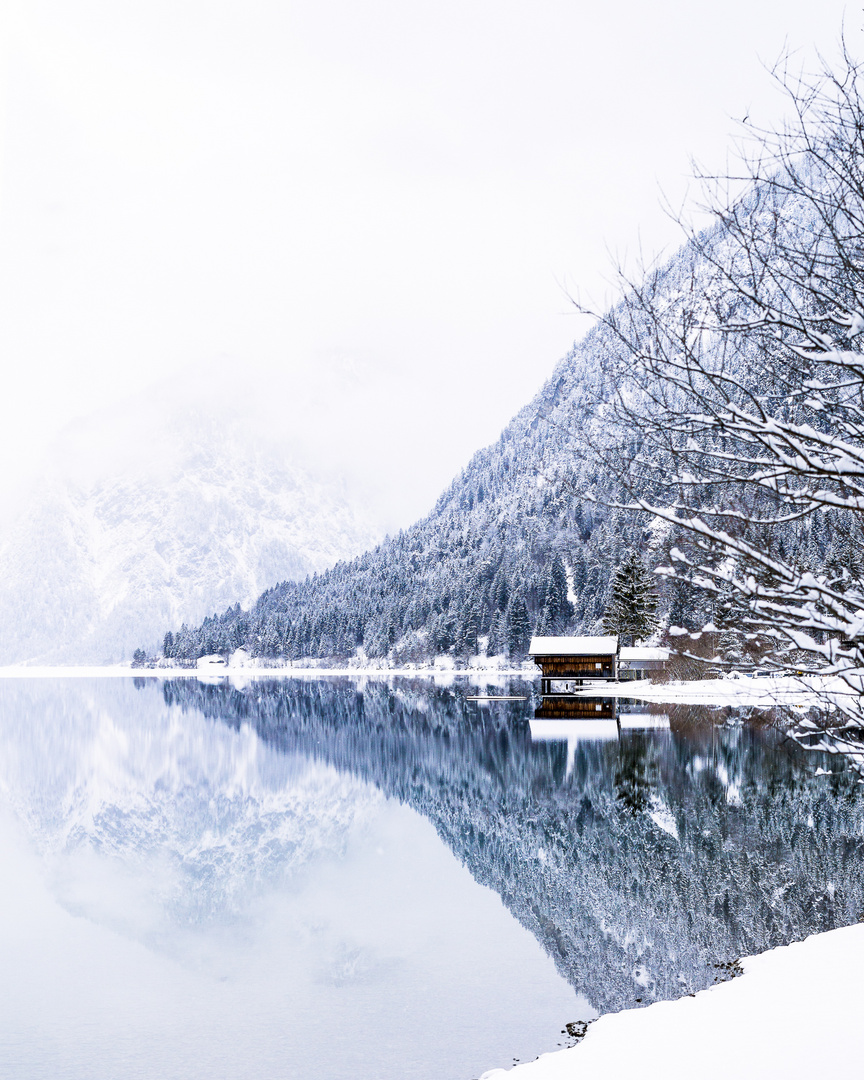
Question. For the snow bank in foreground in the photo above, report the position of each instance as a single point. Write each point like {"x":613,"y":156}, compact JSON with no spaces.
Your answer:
{"x":795,"y":1013}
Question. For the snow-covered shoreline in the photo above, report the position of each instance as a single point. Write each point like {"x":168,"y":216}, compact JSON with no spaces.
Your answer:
{"x":125,"y":671}
{"x":794,"y":1013}
{"x":788,"y":690}
{"x":765,"y":692}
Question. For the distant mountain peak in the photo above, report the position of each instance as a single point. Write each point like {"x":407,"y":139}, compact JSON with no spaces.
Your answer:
{"x":153,"y":516}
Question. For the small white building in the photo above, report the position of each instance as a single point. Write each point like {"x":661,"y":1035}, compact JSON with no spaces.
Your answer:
{"x":634,"y":661}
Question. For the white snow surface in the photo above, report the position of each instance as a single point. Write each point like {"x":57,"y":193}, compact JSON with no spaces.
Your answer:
{"x":795,"y":1014}
{"x":793,"y":690}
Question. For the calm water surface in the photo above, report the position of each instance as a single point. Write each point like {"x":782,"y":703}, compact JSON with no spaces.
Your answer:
{"x":336,"y":879}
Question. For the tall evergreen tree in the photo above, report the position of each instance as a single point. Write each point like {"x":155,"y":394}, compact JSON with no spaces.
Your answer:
{"x":545,"y":624}
{"x":518,"y":626}
{"x":631,"y":613}
{"x":497,"y":637}
{"x":467,"y":629}
{"x":555,"y":599}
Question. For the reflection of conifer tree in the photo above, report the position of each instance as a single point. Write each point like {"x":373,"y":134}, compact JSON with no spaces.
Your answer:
{"x":635,"y":775}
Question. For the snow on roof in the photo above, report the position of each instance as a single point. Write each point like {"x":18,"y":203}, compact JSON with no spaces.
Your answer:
{"x":573,"y":646}
{"x":644,"y":652}
{"x":558,"y":730}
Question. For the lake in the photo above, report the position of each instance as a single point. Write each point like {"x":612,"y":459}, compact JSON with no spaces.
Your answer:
{"x":348,"y":878}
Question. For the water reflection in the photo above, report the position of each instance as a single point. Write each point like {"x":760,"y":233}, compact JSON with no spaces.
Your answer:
{"x":640,"y":860}
{"x":287,"y":845}
{"x":182,"y":899}
{"x":585,"y":719}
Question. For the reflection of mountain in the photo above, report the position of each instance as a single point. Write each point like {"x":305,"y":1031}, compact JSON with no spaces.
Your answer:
{"x":201,"y":813}
{"x":653,"y":858}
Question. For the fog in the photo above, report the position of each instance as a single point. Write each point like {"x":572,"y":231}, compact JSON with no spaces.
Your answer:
{"x":395,"y":196}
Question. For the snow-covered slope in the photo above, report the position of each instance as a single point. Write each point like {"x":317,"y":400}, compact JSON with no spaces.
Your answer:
{"x":154,"y":516}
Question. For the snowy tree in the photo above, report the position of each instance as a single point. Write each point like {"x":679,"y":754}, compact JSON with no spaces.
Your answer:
{"x":739,"y":382}
{"x":631,"y":613}
{"x":545,"y":625}
{"x":555,"y":601}
{"x":518,"y":626}
{"x":467,"y":629}
{"x":497,"y":635}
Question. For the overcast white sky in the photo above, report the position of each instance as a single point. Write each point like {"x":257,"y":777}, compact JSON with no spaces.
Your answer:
{"x":393,"y":189}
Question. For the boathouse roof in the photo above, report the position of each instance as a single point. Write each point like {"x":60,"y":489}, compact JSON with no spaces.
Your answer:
{"x":573,"y":646}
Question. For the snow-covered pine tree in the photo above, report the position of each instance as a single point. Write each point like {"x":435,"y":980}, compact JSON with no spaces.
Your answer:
{"x":545,"y":625}
{"x":518,"y":626}
{"x":497,"y":642}
{"x":632,"y":611}
{"x":467,"y":629}
{"x":555,"y":600}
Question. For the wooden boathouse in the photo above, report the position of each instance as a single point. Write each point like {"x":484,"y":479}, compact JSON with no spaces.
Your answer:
{"x":572,"y":659}
{"x":566,"y":662}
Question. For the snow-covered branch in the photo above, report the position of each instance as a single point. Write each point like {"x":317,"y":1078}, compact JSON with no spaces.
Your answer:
{"x":737,"y":414}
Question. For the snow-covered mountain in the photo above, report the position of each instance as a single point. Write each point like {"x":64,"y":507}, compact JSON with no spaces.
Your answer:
{"x":157,"y":515}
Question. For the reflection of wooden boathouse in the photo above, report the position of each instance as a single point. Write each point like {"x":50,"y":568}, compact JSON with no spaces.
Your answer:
{"x":553,"y":723}
{"x":571,"y":707}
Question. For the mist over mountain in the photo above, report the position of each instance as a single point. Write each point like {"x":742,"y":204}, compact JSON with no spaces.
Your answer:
{"x":489,"y":545}
{"x":158,"y":513}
